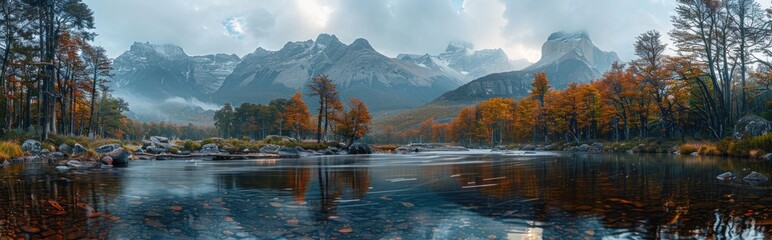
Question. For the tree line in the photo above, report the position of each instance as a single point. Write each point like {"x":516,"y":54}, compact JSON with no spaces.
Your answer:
{"x":721,"y":72}
{"x":333,"y":122}
{"x":52,"y":78}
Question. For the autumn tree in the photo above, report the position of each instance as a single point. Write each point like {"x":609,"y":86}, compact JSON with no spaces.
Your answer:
{"x":323,"y":88}
{"x":354,"y":124}
{"x":296,"y":115}
{"x":540,"y":89}
{"x":425,"y":129}
{"x":495,"y":117}
{"x":465,"y":126}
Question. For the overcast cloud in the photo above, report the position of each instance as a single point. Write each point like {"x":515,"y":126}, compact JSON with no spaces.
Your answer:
{"x":391,"y":26}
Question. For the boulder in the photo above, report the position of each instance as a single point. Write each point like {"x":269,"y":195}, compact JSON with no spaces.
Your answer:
{"x":107,"y":148}
{"x":359,"y":148}
{"x":209,"y":148}
{"x":56,"y":155}
{"x":78,"y":149}
{"x":32,"y":146}
{"x":549,"y":147}
{"x":328,"y":152}
{"x":288,"y":152}
{"x":529,"y":147}
{"x":161,"y":142}
{"x":756,"y":178}
{"x":75,"y":164}
{"x":725,"y":176}
{"x":596,"y":147}
{"x":64,"y":148}
{"x":767,"y":157}
{"x":499,"y":148}
{"x":119,"y":156}
{"x":107,"y":160}
{"x":583,"y":148}
{"x":5,"y":164}
{"x":270,"y":148}
{"x":751,"y":126}
{"x":156,"y":150}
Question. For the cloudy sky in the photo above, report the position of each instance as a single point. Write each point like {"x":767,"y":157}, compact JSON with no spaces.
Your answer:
{"x":392,"y":26}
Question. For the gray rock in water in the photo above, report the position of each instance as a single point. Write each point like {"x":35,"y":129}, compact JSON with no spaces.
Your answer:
{"x":583,"y":148}
{"x":359,"y":148}
{"x":270,"y":148}
{"x":6,"y":163}
{"x":767,"y":157}
{"x":64,"y":148}
{"x":32,"y":146}
{"x":161,"y":142}
{"x":288,"y":152}
{"x":62,"y":168}
{"x":751,"y":126}
{"x":756,"y":178}
{"x":107,"y":148}
{"x":210,"y":148}
{"x":156,"y":150}
{"x":596,"y":147}
{"x":75,"y":164}
{"x":529,"y":147}
{"x":56,"y":155}
{"x":725,"y":176}
{"x":549,"y":147}
{"x":78,"y":149}
{"x":119,"y":156}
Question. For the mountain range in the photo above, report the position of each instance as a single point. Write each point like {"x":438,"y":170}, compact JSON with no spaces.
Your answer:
{"x":566,"y":58}
{"x":155,"y":78}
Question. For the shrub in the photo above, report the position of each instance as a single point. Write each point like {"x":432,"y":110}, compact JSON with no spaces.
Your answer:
{"x":723,"y":146}
{"x":688,"y":148}
{"x":9,"y":150}
{"x":740,"y":149}
{"x":191,"y":145}
{"x":763,"y":142}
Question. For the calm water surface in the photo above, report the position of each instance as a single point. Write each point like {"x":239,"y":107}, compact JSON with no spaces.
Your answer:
{"x":449,"y":196}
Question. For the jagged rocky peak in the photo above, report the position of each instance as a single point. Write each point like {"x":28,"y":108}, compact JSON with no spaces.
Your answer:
{"x":166,"y":50}
{"x":561,"y":46}
{"x":457,"y":46}
{"x":326,"y":39}
{"x":361,"y":44}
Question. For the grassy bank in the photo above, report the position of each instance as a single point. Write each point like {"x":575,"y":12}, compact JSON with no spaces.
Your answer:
{"x":753,"y":147}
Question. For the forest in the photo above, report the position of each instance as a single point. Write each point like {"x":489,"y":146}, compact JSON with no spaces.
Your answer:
{"x":720,"y":72}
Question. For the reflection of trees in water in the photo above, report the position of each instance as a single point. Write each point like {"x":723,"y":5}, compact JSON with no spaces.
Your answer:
{"x":24,"y":201}
{"x":640,"y":192}
{"x":339,"y":184}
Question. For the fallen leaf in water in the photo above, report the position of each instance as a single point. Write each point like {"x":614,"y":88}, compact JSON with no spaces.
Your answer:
{"x":206,"y":205}
{"x":93,"y":215}
{"x":590,"y":232}
{"x":56,"y":205}
{"x":135,"y":203}
{"x":407,"y":204}
{"x":491,"y":236}
{"x":176,"y":208}
{"x":385,"y":198}
{"x":226,"y":232}
{"x":293,"y":221}
{"x":228,"y":219}
{"x":87,"y":207}
{"x":276,"y":204}
{"x":345,"y":230}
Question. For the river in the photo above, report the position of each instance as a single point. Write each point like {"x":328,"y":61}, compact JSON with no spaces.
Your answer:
{"x":475,"y":195}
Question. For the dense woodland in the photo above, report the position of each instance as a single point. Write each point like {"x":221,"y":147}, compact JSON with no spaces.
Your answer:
{"x":52,"y":78}
{"x":721,"y":72}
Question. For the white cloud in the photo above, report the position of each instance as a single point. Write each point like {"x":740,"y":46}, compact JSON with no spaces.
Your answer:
{"x":392,"y":26}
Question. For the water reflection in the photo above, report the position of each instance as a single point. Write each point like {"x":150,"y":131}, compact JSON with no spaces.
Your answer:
{"x":388,"y":196}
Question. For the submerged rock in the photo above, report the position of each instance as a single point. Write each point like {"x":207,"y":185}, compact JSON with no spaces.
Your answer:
{"x":62,"y":168}
{"x":32,"y":146}
{"x":359,"y":148}
{"x":725,"y":176}
{"x":76,"y":164}
{"x":756,"y":178}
